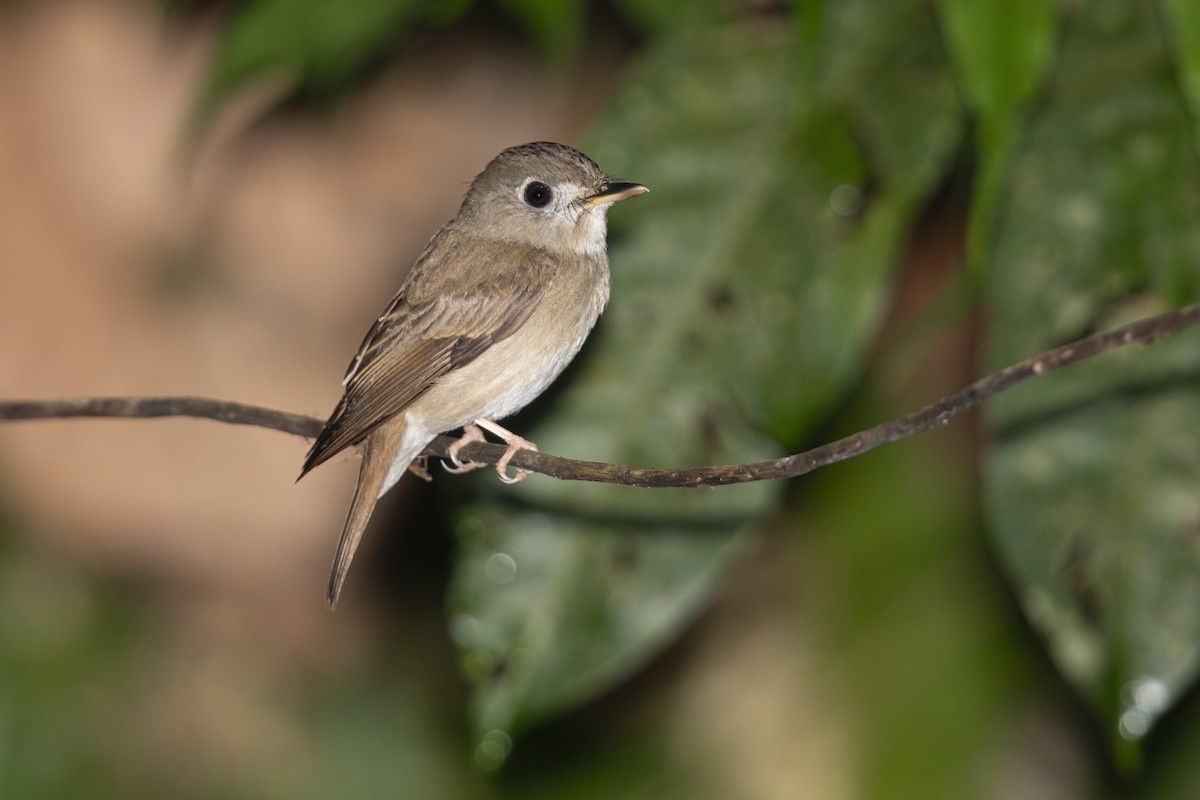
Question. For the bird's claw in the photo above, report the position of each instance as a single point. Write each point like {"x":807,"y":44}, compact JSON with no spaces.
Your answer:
{"x":420,"y":468}
{"x":471,"y":434}
{"x":515,"y":445}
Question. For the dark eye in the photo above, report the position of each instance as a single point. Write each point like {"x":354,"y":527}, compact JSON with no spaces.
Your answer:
{"x":538,"y":194}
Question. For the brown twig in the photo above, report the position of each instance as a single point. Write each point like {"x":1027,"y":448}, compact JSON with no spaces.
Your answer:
{"x":936,"y":413}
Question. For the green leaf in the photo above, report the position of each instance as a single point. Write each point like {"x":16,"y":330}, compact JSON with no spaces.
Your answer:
{"x":746,"y":290}
{"x":1091,"y":478}
{"x":1001,"y":51}
{"x":312,"y":44}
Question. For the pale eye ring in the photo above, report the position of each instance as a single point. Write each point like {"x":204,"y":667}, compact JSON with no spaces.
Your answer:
{"x":537,"y":194}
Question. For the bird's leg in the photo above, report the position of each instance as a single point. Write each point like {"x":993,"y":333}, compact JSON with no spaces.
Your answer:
{"x":514,"y":443}
{"x":471,"y":433}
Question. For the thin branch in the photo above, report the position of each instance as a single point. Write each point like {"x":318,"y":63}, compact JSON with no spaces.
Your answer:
{"x":151,"y":407}
{"x":937,"y":413}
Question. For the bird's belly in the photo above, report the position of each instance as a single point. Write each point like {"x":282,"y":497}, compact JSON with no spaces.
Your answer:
{"x":507,"y":376}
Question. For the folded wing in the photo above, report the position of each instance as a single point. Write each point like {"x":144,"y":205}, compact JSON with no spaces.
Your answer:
{"x":440,"y":320}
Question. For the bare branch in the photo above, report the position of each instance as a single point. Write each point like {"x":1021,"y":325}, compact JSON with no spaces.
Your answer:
{"x":936,"y":413}
{"x":151,"y":407}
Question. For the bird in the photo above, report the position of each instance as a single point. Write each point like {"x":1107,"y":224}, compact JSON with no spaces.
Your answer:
{"x":495,"y":307}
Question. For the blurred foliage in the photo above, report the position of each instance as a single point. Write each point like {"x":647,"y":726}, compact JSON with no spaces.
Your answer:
{"x":604,"y":576}
{"x":1001,"y":50}
{"x":1091,"y":493}
{"x":903,"y":523}
{"x":309,"y":44}
{"x":317,"y":49}
{"x":1183,"y":28}
{"x":66,"y":654}
{"x":792,"y":149}
{"x":556,"y":25}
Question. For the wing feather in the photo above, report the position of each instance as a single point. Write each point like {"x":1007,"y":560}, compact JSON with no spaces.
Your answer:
{"x":440,"y":320}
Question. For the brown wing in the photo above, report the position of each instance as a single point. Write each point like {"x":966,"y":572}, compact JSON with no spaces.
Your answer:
{"x":436,"y":323}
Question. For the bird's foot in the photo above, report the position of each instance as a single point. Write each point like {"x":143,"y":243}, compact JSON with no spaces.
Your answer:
{"x":471,"y":433}
{"x":514,"y":443}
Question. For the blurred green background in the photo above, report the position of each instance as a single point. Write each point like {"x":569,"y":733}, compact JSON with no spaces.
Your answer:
{"x":856,"y":207}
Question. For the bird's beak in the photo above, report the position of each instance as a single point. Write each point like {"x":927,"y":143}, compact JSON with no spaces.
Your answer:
{"x":614,"y":193}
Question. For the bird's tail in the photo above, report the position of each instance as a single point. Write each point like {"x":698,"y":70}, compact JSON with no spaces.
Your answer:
{"x":380,"y":450}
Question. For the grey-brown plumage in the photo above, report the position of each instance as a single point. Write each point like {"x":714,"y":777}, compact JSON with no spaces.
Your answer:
{"x":496,"y":306}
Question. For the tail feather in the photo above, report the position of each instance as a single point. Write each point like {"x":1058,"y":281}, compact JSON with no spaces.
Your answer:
{"x":379,"y":450}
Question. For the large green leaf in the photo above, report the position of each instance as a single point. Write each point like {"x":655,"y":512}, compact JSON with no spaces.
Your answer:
{"x":1092,"y":475}
{"x":746,"y":289}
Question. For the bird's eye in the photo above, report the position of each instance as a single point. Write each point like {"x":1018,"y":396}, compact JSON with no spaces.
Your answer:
{"x":538,"y":194}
